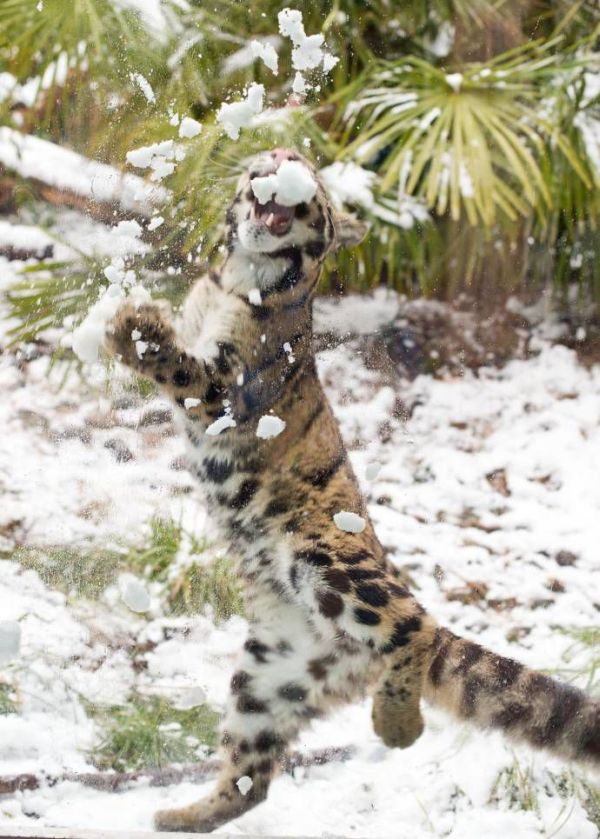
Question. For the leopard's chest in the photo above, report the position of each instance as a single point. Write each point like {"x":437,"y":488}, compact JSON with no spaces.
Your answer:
{"x":211,"y":317}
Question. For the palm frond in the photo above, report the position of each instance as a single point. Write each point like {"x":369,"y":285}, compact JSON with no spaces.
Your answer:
{"x":473,"y":143}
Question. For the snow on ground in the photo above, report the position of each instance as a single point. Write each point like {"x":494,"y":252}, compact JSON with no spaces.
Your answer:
{"x":488,"y":494}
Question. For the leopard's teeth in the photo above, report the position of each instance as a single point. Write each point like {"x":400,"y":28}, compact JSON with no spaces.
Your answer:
{"x":270,"y":218}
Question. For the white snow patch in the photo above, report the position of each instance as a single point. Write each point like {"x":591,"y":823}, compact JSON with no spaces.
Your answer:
{"x":134,"y":593}
{"x":269,"y":426}
{"x":10,"y":640}
{"x":191,"y":402}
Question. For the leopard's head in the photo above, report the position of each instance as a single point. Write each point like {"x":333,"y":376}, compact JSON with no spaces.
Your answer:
{"x":272,"y":231}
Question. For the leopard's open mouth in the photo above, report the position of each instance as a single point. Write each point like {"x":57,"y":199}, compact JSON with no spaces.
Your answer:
{"x":276,"y":218}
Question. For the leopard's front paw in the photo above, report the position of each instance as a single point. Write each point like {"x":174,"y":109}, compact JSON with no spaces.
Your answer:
{"x":396,"y":719}
{"x":136,"y":335}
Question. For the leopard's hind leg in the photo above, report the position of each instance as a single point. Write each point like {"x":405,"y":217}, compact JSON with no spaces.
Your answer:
{"x":286,"y":676}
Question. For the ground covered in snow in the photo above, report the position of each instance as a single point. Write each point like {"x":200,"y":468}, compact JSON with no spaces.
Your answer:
{"x":482,"y":485}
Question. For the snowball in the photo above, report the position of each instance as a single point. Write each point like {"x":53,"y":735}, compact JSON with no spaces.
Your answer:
{"x":266,"y":52}
{"x":10,"y":640}
{"x":292,"y":184}
{"x":134,"y":593}
{"x":221,"y":424}
{"x":191,"y":402}
{"x":244,"y":784}
{"x":144,"y":86}
{"x":295,"y":184}
{"x":254,"y":293}
{"x":237,"y":115}
{"x":269,"y":426}
{"x":155,"y":223}
{"x":350,"y":522}
{"x":372,"y":470}
{"x":264,"y":188}
{"x":189,"y":127}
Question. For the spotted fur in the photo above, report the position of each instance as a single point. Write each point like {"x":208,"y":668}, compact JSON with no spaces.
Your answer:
{"x":328,"y":615}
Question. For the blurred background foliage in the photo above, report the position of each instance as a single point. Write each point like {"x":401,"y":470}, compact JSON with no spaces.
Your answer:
{"x":473,"y":126}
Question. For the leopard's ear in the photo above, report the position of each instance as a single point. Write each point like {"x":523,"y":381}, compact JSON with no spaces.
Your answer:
{"x":349,"y":230}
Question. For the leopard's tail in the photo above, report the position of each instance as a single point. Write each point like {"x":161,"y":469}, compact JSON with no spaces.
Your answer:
{"x":491,"y":691}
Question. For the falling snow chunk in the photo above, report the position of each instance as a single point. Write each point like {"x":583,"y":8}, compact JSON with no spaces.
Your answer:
{"x":237,"y":115}
{"x":135,"y":334}
{"x":155,"y":223}
{"x":329,"y":61}
{"x":10,"y":640}
{"x":221,"y":424}
{"x":140,"y":348}
{"x":299,"y":85}
{"x":189,"y":127}
{"x":266,"y":52}
{"x":254,"y":293}
{"x":292,"y":184}
{"x":142,"y":157}
{"x":308,"y":52}
{"x":372,"y":470}
{"x":144,"y":86}
{"x":134,"y":593}
{"x":455,"y":81}
{"x":350,"y":522}
{"x":269,"y":426}
{"x":191,"y":402}
{"x":88,"y":336}
{"x":244,"y":784}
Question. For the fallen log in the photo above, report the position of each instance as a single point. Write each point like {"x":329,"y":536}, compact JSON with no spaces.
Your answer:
{"x":63,"y":177}
{"x":162,"y":777}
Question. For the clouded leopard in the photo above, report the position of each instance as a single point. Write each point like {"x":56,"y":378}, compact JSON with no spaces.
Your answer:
{"x":329,"y":616}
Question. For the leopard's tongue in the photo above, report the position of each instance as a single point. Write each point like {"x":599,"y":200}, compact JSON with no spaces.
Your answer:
{"x":276,"y":217}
